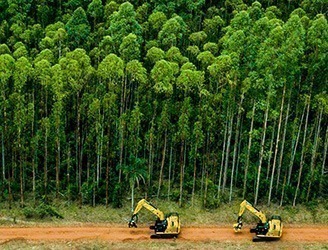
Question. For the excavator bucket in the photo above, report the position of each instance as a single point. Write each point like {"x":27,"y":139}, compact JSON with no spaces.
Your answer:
{"x":133,"y":221}
{"x":132,"y":224}
{"x":237,"y":227}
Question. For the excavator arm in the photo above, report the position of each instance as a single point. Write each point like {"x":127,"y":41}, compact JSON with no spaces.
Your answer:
{"x":143,"y":203}
{"x":246,"y":205}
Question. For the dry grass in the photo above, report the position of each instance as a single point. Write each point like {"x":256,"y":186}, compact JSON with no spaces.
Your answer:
{"x":190,"y":215}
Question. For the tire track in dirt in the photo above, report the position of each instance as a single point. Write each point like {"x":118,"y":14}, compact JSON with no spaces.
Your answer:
{"x":306,"y":234}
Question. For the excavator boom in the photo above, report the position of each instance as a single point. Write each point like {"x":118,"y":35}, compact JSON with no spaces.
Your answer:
{"x":143,"y":203}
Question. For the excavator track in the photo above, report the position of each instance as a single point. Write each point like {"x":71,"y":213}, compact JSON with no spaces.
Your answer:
{"x":163,"y":236}
{"x":264,"y":238}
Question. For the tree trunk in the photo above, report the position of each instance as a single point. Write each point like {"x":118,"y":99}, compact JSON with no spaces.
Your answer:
{"x":283,"y":189}
{"x":227,"y":149}
{"x":10,"y":195}
{"x":81,"y":170}
{"x":132,"y":196}
{"x":101,"y":150}
{"x":68,"y":179}
{"x":108,"y":162}
{"x":182,"y":167}
{"x":34,"y":157}
{"x":122,"y":125}
{"x":324,"y":161}
{"x":94,"y":190}
{"x":98,"y":157}
{"x":277,"y":145}
{"x":206,"y":186}
{"x":303,"y":152}
{"x":205,"y":153}
{"x":162,"y":165}
{"x":248,"y":151}
{"x":170,"y":169}
{"x":270,"y":150}
{"x":194,"y":177}
{"x":3,"y":132}
{"x":34,"y":175}
{"x":20,"y":170}
{"x":45,"y":164}
{"x":283,"y":146}
{"x":294,"y":147}
{"x":262,"y":151}
{"x":107,"y":182}
{"x":240,"y":140}
{"x":78,"y":151}
{"x":222,"y":159}
{"x":57,"y":163}
{"x":3,"y":156}
{"x":314,"y":150}
{"x":150,"y":158}
{"x":236,"y":145}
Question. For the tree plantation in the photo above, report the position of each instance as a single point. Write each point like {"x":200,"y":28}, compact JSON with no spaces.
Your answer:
{"x":214,"y":101}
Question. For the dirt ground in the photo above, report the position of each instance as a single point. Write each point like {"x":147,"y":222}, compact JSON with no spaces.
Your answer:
{"x":119,"y":233}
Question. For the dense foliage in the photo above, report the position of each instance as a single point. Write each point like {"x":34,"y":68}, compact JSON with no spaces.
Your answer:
{"x":217,"y":100}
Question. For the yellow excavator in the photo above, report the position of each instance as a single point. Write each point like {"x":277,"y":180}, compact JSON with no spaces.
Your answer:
{"x":266,"y":229}
{"x":166,"y":226}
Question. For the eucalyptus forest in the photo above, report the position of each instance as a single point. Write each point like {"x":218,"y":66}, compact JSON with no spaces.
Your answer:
{"x":207,"y":101}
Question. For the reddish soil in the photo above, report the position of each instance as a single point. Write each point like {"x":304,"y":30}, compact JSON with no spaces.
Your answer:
{"x":118,"y":233}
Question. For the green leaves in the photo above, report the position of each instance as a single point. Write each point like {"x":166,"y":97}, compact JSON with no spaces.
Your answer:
{"x":129,"y":48}
{"x":95,"y":9}
{"x":156,"y":20}
{"x":7,"y":66}
{"x":23,"y":71}
{"x":172,"y":32}
{"x":198,"y":37}
{"x":317,"y":40}
{"x":85,"y":85}
{"x":78,"y":28}
{"x":135,"y":170}
{"x":76,"y":68}
{"x":163,"y":75}
{"x":154,"y":54}
{"x":111,"y":68}
{"x":122,"y":23}
{"x":136,"y":72}
{"x":190,"y":80}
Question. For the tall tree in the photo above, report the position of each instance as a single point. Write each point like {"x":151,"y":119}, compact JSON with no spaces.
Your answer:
{"x":183,"y":134}
{"x":58,"y":113}
{"x":7,"y":65}
{"x":22,"y":74}
{"x":77,"y":71}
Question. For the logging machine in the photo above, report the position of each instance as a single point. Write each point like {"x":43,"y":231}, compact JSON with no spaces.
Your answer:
{"x":266,"y":229}
{"x":166,"y":226}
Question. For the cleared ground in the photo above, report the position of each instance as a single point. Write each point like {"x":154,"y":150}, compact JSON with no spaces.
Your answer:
{"x":119,"y":233}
